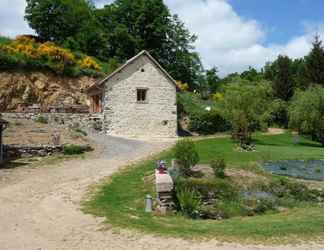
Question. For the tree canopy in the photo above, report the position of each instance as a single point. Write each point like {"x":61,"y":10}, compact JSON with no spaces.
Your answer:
{"x":119,"y":31}
{"x":66,"y":22}
{"x":246,"y":107}
{"x":306,"y":113}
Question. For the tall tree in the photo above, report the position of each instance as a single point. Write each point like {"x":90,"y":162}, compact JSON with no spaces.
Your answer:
{"x":66,"y":22}
{"x":283,"y":83}
{"x":134,"y":25}
{"x":212,"y":79}
{"x":315,"y":63}
{"x":246,"y":107}
{"x":306,"y":113}
{"x":252,"y":75}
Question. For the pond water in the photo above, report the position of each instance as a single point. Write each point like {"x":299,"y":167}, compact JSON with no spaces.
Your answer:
{"x":258,"y":195}
{"x":308,"y":170}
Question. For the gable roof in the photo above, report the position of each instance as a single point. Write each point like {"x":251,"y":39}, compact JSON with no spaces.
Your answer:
{"x":144,"y":52}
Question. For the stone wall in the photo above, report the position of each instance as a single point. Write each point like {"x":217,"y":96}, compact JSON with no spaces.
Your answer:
{"x":18,"y":151}
{"x":85,"y":121}
{"x":124,"y":116}
{"x":22,"y":151}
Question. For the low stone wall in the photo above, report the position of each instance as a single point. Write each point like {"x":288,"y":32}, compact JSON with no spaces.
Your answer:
{"x":86,"y":121}
{"x":18,"y":151}
{"x":23,"y":151}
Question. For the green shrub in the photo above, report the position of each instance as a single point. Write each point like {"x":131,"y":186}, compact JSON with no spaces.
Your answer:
{"x":209,"y":189}
{"x":205,"y":122}
{"x":186,"y":155}
{"x":264,"y":205}
{"x":80,"y":131}
{"x":73,"y":149}
{"x":223,"y":210}
{"x":41,"y":119}
{"x":231,"y":208}
{"x":189,"y":202}
{"x":219,"y":167}
{"x":283,"y":188}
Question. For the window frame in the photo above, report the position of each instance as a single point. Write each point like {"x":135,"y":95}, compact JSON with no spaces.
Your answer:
{"x":142,"y":90}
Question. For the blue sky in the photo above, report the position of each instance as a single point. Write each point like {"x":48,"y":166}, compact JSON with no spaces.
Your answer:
{"x":282,"y":19}
{"x":233,"y":34}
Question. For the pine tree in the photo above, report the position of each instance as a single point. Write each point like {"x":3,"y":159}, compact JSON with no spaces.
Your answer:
{"x":315,"y":63}
{"x":283,"y":84}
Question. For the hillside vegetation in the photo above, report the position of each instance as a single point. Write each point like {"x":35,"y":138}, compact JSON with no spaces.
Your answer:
{"x":32,"y":71}
{"x":26,"y":53}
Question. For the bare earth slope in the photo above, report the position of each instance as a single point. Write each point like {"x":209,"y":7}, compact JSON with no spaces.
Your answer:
{"x":40,"y":207}
{"x":42,"y":88}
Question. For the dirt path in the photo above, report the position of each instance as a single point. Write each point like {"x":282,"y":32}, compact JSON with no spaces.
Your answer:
{"x":40,"y":207}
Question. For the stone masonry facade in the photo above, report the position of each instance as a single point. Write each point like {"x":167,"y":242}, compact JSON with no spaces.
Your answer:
{"x":124,"y":115}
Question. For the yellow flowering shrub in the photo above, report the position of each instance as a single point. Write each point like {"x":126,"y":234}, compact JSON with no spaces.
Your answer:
{"x":23,"y":46}
{"x":55,"y":53}
{"x":218,"y":97}
{"x":89,"y":63}
{"x":28,"y":51}
{"x":182,"y":86}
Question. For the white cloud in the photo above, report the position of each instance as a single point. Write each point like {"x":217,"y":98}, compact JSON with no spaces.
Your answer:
{"x":231,"y":42}
{"x":226,"y":40}
{"x":12,"y":20}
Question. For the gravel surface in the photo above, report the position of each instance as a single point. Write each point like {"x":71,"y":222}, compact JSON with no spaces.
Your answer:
{"x":40,"y":207}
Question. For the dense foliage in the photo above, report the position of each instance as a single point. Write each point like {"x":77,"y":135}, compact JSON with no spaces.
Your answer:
{"x":246,"y":107}
{"x":306,"y":113}
{"x":119,"y":31}
{"x":186,"y":156}
{"x":26,"y":52}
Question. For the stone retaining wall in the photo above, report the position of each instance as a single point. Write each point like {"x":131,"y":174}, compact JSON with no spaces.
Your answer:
{"x":22,"y":151}
{"x":18,"y":151}
{"x":86,"y":121}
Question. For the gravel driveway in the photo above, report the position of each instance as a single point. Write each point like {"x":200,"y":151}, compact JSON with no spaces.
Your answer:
{"x":40,"y":207}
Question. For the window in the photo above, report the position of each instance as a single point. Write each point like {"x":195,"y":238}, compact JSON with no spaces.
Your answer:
{"x":142,"y":95}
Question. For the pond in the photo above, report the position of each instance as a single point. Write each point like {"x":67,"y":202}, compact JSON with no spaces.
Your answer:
{"x":308,"y":170}
{"x":257,"y":195}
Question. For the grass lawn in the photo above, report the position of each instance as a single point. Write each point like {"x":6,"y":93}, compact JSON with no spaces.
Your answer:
{"x":121,"y":199}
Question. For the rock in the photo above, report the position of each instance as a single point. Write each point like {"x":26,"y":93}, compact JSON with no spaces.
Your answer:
{"x":40,"y":85}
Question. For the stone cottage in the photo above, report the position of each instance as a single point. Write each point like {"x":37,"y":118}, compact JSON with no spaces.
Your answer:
{"x":137,"y":100}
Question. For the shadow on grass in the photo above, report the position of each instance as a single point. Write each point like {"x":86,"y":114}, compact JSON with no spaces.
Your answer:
{"x":259,"y":142}
{"x":13,"y":164}
{"x":309,"y":144}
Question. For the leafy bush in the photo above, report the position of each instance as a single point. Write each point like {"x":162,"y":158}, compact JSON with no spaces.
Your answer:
{"x":223,"y":210}
{"x":246,"y":107}
{"x":219,"y":167}
{"x":186,"y":155}
{"x":182,"y":86}
{"x":306,"y":113}
{"x":73,"y":149}
{"x":264,"y":205}
{"x":41,"y":119}
{"x":209,"y":189}
{"x":208,"y":122}
{"x":284,"y":188}
{"x":189,"y":202}
{"x":231,"y":208}
{"x":279,"y":113}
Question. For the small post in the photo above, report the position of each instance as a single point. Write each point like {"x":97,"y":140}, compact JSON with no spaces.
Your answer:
{"x":148,"y":204}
